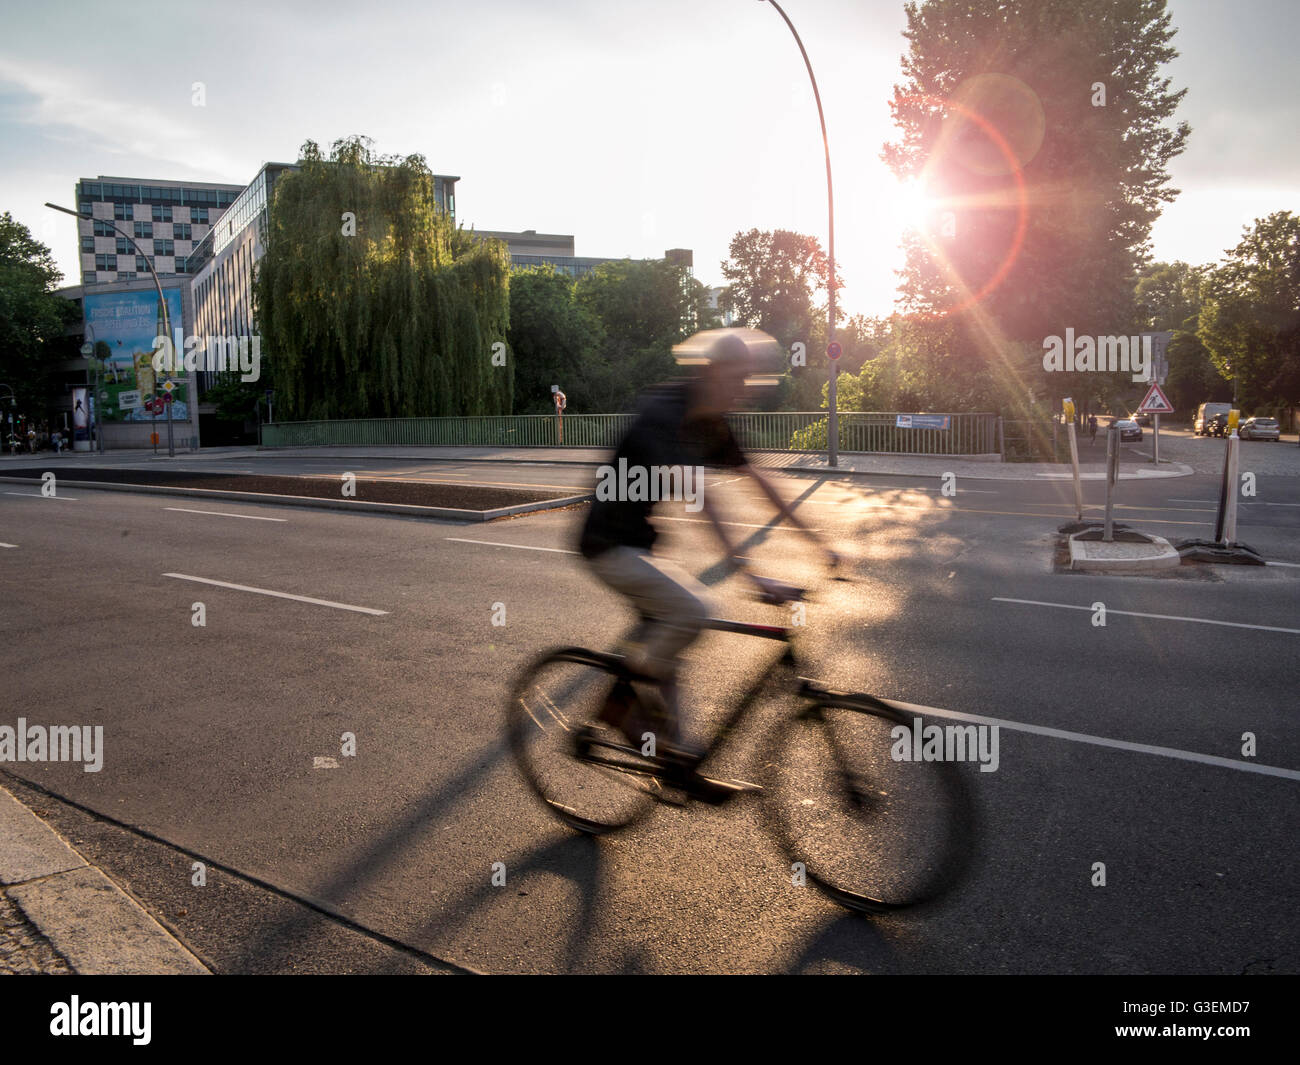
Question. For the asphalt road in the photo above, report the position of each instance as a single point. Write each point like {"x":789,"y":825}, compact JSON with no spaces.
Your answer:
{"x":212,"y":733}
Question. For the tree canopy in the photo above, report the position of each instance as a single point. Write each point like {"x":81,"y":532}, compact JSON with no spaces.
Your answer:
{"x":370,"y":302}
{"x":32,"y":316}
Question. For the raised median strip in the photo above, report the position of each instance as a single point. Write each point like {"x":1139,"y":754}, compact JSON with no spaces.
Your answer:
{"x":387,"y":496}
{"x":92,"y":923}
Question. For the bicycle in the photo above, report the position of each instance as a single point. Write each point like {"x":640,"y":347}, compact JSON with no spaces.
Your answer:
{"x":838,"y":797}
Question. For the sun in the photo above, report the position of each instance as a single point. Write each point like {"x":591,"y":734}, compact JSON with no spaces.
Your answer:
{"x":913,"y":204}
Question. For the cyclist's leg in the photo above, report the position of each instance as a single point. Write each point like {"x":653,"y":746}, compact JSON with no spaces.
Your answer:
{"x":676,"y":606}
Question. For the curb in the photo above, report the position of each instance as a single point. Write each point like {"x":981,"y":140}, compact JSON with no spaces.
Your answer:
{"x":409,"y":510}
{"x":96,"y":926}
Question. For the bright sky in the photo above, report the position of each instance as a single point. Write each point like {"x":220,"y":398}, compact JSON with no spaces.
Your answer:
{"x":636,"y":127}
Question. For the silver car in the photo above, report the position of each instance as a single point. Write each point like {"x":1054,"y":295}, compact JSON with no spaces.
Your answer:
{"x":1259,"y":429}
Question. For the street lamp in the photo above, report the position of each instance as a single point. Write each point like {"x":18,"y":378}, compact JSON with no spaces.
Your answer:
{"x":833,"y":423}
{"x":162,"y":303}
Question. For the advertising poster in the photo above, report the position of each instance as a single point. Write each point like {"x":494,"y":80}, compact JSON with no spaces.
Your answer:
{"x":127,"y":323}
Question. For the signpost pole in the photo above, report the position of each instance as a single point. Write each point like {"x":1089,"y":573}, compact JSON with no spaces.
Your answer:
{"x":1112,"y":468}
{"x":1155,"y":439}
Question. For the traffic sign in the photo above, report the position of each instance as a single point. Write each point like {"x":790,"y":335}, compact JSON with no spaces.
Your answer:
{"x":88,"y":349}
{"x":1155,"y":402}
{"x":168,"y":386}
{"x":833,"y":350}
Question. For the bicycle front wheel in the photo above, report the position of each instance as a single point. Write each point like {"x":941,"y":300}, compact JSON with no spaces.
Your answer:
{"x":873,"y":832}
{"x":603,"y":786}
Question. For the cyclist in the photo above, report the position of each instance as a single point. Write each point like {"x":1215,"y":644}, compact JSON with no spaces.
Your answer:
{"x":678,"y":424}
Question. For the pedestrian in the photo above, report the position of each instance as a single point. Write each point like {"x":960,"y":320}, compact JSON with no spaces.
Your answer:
{"x":1092,"y":429}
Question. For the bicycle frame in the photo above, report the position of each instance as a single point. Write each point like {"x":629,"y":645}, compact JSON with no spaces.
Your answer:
{"x":805,"y":689}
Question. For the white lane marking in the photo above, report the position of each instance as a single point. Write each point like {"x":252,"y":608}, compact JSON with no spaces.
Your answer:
{"x":37,"y":495}
{"x":1104,"y":741}
{"x":521,"y":547}
{"x":1242,"y":502}
{"x":1294,"y":565}
{"x":738,"y":524}
{"x":1161,"y":617}
{"x":8,"y":545}
{"x":223,"y":514}
{"x":277,"y":595}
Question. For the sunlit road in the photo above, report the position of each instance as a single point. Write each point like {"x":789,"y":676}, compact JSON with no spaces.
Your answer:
{"x":212,"y":732}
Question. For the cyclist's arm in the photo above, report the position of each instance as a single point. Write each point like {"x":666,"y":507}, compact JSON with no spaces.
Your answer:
{"x":786,"y":511}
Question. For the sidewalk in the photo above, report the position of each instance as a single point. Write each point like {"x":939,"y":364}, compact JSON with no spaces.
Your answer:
{"x":808,"y":463}
{"x":60,"y":914}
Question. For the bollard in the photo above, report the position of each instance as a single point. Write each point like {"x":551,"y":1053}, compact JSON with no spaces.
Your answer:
{"x":1112,"y":471}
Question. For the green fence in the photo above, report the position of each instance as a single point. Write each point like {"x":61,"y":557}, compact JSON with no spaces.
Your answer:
{"x":965,"y":434}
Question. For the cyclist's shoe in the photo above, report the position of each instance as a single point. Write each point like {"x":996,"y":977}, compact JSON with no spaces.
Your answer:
{"x":618,"y":704}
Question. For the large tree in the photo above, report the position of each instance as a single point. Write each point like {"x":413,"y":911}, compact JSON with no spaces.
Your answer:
{"x":1041,"y":132}
{"x":554,"y":341}
{"x":369,"y":300}
{"x":644,"y":308}
{"x":32,"y":318}
{"x":1250,"y":320}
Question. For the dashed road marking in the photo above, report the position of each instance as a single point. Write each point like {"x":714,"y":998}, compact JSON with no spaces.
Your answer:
{"x":1159,"y":617}
{"x":520,"y":547}
{"x":223,"y":514}
{"x":277,"y":595}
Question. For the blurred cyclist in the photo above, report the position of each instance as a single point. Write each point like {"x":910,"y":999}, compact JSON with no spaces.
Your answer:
{"x":678,"y":424}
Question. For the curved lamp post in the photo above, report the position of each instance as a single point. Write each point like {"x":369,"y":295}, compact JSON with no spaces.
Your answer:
{"x":833,"y":424}
{"x":162,"y":302}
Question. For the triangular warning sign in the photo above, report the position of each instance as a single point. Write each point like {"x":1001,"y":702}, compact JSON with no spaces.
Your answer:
{"x":1155,"y":402}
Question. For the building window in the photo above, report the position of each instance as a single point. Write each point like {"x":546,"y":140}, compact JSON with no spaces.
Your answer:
{"x":106,"y":262}
{"x":122,"y":212}
{"x":140,"y":265}
{"x":128,"y":275}
{"x":162,"y":212}
{"x":123,"y":246}
{"x":86,"y":207}
{"x":199,"y":214}
{"x":164,"y":247}
{"x":104,"y":229}
{"x":181,"y":231}
{"x":144,"y":229}
{"x":88,"y":244}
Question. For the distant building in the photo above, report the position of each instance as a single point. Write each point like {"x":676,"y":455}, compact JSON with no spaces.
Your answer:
{"x":167,"y":219}
{"x":531,"y":248}
{"x":715,"y":304}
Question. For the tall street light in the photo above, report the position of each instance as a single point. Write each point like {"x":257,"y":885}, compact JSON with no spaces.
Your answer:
{"x":833,"y":423}
{"x":162,"y":303}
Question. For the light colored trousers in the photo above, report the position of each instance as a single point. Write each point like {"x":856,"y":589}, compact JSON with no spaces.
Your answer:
{"x":674,"y":601}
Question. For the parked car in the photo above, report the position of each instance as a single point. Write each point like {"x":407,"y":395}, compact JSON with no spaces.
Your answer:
{"x":1140,"y":418}
{"x":1259,"y":429}
{"x":1205,"y":413}
{"x":1128,"y":428}
{"x":1217,"y":425}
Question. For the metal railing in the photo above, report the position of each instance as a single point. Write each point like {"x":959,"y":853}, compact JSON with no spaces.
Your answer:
{"x":878,"y":432}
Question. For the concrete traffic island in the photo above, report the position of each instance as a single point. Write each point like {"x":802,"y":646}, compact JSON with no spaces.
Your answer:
{"x":1127,"y":552}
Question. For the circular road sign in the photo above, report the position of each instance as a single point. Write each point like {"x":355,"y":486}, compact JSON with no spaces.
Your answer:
{"x":87,"y":349}
{"x":833,"y":350}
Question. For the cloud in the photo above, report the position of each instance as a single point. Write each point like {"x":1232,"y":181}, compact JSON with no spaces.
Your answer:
{"x":62,"y":104}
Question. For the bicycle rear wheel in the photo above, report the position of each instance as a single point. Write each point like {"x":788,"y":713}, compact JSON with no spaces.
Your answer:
{"x":555,"y":697}
{"x":874,"y":833}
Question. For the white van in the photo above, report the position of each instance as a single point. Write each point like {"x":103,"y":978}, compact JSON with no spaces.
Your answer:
{"x":1205,"y":412}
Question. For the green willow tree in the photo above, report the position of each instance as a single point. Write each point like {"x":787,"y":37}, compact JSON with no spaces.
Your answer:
{"x":369,"y":300}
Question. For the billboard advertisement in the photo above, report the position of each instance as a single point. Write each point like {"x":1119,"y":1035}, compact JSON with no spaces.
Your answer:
{"x":122,"y":326}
